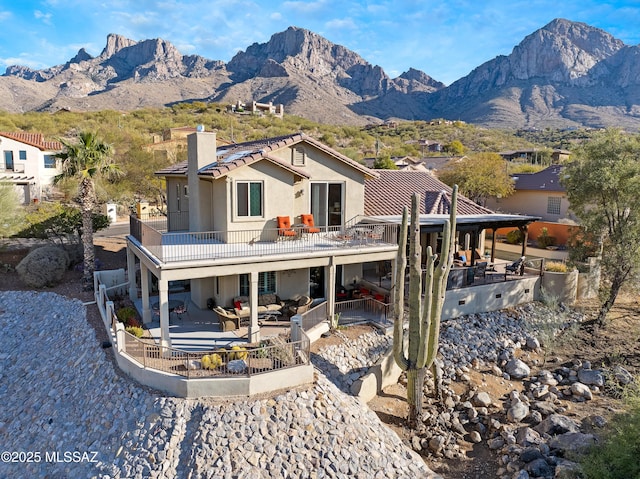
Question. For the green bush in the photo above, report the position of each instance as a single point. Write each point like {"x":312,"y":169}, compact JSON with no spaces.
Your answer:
{"x":545,"y":240}
{"x":128,"y":315}
{"x":137,"y":331}
{"x":514,"y":237}
{"x":616,"y":456}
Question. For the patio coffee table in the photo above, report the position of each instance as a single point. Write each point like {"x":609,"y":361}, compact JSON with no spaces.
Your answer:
{"x":173,"y":304}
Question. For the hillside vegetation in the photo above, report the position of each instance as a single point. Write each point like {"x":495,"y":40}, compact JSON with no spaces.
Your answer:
{"x":128,"y":132}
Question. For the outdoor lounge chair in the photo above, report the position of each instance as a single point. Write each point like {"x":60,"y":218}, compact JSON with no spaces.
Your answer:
{"x":515,"y":267}
{"x":480,"y":270}
{"x":284,"y":227}
{"x":377,"y":232}
{"x":310,"y":226}
{"x":228,"y":321}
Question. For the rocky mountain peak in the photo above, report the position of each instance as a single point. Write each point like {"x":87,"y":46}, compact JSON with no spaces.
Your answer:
{"x":301,"y":52}
{"x":299,"y":48}
{"x":115,"y":43}
{"x":81,"y":56}
{"x":562,"y":51}
{"x":422,"y":78}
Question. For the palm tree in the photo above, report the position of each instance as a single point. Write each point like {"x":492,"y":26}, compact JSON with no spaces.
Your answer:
{"x":84,"y":160}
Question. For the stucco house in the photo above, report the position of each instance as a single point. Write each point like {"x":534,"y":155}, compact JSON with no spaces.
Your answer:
{"x":540,"y":194}
{"x":222,"y":229}
{"x":29,"y":164}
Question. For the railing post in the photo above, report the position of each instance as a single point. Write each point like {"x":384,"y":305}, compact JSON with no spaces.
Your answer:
{"x":120,"y":345}
{"x":296,"y":328}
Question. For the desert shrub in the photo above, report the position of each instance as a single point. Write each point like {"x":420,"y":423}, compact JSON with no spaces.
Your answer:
{"x":514,"y":237}
{"x":137,"y":331}
{"x":616,"y":457}
{"x":544,"y":239}
{"x":58,"y":223}
{"x":128,"y":315}
{"x":555,"y":267}
{"x":44,"y":266}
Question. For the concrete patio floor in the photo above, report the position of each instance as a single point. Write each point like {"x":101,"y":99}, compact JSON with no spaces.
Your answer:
{"x":199,"y":330}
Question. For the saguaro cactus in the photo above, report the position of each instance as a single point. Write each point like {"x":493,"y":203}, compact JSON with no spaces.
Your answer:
{"x":424,"y":313}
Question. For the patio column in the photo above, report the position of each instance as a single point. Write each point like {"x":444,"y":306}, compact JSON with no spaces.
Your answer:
{"x":525,"y":237}
{"x":147,"y":317}
{"x":394,"y":287}
{"x":254,"y":327}
{"x":163,"y":296}
{"x":331,"y":287}
{"x":493,"y":244}
{"x":131,"y":273}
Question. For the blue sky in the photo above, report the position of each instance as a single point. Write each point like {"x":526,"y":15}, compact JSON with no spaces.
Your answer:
{"x":445,"y":39}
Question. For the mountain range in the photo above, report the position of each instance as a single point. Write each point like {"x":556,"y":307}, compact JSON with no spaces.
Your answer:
{"x":564,"y":75}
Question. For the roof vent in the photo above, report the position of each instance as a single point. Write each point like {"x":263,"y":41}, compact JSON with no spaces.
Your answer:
{"x":200,"y":128}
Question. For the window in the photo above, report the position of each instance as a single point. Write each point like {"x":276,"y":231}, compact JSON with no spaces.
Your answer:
{"x":49,"y":161}
{"x":22,"y":154}
{"x":8,"y":159}
{"x":298,"y":156}
{"x":553,"y":205}
{"x":266,"y":283}
{"x":249,"y":198}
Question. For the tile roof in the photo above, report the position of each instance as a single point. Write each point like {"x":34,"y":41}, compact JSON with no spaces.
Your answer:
{"x":33,"y":139}
{"x":547,"y":180}
{"x":230,"y":157}
{"x":392,"y":191}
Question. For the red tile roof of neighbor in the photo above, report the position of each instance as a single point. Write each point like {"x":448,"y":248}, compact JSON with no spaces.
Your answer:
{"x":233,"y":156}
{"x":392,"y":191}
{"x":33,"y":139}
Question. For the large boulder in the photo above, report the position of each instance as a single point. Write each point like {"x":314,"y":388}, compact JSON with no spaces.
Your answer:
{"x":44,"y":266}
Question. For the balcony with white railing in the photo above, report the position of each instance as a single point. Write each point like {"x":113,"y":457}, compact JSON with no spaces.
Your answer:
{"x":169,"y":246}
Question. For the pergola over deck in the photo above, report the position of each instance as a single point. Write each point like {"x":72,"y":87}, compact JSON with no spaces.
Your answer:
{"x":472,"y":224}
{"x":387,"y":195}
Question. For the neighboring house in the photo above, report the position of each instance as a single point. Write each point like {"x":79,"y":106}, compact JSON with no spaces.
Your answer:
{"x":533,"y":155}
{"x":400,"y":161}
{"x":430,"y":146}
{"x":222,"y":231}
{"x":257,"y":108}
{"x":540,"y":194}
{"x":28,"y":162}
{"x":173,"y":143}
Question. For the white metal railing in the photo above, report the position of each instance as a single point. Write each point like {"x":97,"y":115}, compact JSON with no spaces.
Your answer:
{"x":315,"y":316}
{"x":367,"y":306}
{"x":262,"y":358}
{"x":190,"y":245}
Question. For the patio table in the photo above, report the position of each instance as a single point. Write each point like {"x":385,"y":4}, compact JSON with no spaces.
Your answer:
{"x":173,"y":304}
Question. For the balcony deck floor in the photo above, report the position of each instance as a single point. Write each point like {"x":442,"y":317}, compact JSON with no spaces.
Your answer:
{"x":190,"y":249}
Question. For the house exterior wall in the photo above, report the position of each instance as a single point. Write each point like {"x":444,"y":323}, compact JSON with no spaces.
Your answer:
{"x":532,"y":203}
{"x":284,"y":193}
{"x":32,"y":166}
{"x":321,"y":167}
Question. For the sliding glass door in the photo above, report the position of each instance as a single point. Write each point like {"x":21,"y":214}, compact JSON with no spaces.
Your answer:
{"x":327,"y":204}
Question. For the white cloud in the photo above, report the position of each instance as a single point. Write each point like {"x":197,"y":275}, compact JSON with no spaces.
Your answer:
{"x":304,"y":7}
{"x":45,"y":17}
{"x":276,"y":16}
{"x":22,"y":61}
{"x":341,"y":24}
{"x":5,"y":15}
